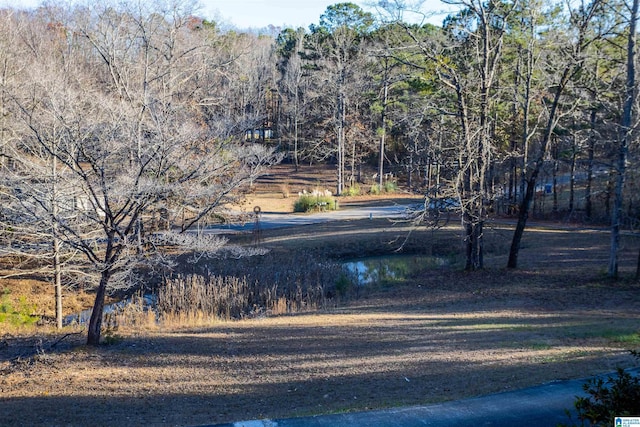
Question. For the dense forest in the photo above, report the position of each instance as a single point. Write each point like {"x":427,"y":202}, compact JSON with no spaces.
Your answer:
{"x":125,"y":118}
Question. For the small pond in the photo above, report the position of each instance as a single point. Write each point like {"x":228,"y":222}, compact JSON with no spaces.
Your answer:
{"x":82,"y":318}
{"x":391,"y":267}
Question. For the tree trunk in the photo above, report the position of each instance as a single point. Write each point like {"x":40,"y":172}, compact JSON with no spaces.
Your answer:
{"x":468,"y":244}
{"x":638,"y":266}
{"x":525,"y":205}
{"x":383,"y":133}
{"x":554,"y":180}
{"x":523,"y":216}
{"x":410,"y":172}
{"x":625,"y":139}
{"x":295,"y":135}
{"x":591,"y":149}
{"x":607,"y":196}
{"x":57,"y":280}
{"x":95,"y":322}
{"x":480,"y":239}
{"x":57,"y":267}
{"x":572,"y":182}
{"x":591,"y":155}
{"x":352,"y":177}
{"x":341,"y":140}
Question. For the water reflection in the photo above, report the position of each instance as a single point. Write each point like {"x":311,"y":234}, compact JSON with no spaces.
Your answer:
{"x":146,"y":302}
{"x":387,"y":268}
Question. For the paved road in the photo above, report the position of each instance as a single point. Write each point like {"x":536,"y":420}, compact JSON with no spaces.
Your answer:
{"x":541,"y":406}
{"x":279,"y":220}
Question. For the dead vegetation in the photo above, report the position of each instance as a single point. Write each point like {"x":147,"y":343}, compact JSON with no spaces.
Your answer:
{"x":441,"y":334}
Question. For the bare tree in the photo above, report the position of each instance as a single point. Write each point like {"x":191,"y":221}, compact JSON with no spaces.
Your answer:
{"x":30,"y":187}
{"x":121,"y":129}
{"x":574,"y":51}
{"x":292,"y":84}
{"x":466,"y":59}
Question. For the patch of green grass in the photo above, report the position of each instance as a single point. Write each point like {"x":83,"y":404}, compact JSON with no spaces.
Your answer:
{"x":111,"y":338}
{"x":390,"y":187}
{"x":550,"y":359}
{"x":470,"y":325}
{"x":6,"y":306}
{"x":20,"y":315}
{"x":387,"y":187}
{"x":538,"y":346}
{"x":577,"y":354}
{"x":529,"y":345}
{"x":631,"y":338}
{"x":623,"y":335}
{"x":522,"y":328}
{"x":561,"y":357}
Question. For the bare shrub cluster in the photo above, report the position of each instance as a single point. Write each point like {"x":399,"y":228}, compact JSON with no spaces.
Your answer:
{"x":189,"y":298}
{"x":137,"y":312}
{"x":206,"y":290}
{"x":248,"y":287}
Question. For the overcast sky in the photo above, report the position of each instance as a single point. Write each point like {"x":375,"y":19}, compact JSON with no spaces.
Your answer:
{"x":245,"y":14}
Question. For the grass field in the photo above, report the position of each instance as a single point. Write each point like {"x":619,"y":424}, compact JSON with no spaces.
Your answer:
{"x":437,"y":335}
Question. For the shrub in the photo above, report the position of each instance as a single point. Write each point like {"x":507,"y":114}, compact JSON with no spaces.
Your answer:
{"x":390,"y":187}
{"x":618,"y":396}
{"x":248,"y":287}
{"x":188,"y":297}
{"x":139,"y":312}
{"x":353,"y":190}
{"x":310,"y":202}
{"x":20,"y":315}
{"x":387,"y":187}
{"x":343,"y":285}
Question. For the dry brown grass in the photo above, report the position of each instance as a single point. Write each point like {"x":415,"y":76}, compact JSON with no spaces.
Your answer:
{"x":443,"y":334}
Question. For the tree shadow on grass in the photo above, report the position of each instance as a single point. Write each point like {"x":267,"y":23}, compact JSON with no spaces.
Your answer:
{"x":247,"y":400}
{"x":288,"y":367}
{"x":442,"y":335}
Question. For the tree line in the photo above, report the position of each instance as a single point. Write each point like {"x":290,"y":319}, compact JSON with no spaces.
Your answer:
{"x":506,"y":100}
{"x":126,"y":124}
